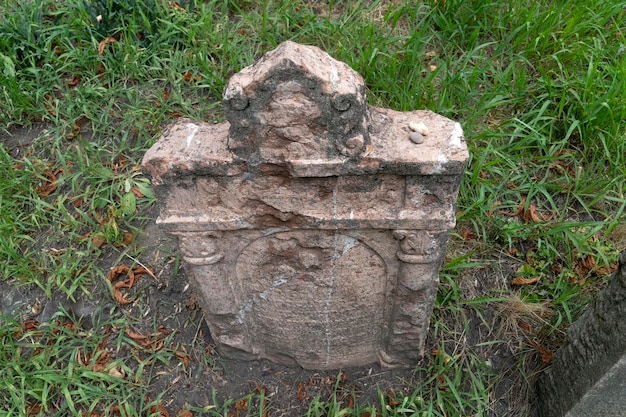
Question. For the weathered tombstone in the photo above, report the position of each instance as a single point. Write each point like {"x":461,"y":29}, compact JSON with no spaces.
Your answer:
{"x":312,"y":225}
{"x":588,"y":375}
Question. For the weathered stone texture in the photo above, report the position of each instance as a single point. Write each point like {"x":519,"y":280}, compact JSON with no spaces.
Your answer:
{"x":296,"y":102}
{"x":312,"y":227}
{"x":577,"y":383}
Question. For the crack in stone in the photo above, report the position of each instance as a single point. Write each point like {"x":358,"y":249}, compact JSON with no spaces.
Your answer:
{"x":331,"y":277}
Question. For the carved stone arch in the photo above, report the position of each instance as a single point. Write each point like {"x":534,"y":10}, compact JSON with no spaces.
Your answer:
{"x":277,"y":271}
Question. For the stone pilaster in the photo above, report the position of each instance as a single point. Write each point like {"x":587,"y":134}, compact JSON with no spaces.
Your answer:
{"x":420,"y":253}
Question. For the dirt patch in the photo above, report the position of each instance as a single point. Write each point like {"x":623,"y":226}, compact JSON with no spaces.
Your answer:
{"x":19,"y":138}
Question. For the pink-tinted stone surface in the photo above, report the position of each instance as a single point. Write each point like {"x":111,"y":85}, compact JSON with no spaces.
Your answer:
{"x":312,"y":227}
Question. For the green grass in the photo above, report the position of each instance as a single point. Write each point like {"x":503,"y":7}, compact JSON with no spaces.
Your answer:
{"x":539,"y":88}
{"x":63,"y":368}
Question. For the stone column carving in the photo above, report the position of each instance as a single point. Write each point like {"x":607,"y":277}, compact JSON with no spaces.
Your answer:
{"x":199,"y":248}
{"x":420,"y":253}
{"x":202,"y":253}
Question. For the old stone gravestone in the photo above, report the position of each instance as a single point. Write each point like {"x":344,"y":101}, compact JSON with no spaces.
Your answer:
{"x":312,"y":225}
{"x":588,"y":375}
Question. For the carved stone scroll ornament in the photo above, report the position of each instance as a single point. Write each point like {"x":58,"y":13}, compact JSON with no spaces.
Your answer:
{"x":199,"y":248}
{"x":417,"y":246}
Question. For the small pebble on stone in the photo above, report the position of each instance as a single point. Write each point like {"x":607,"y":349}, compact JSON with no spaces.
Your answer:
{"x":418,"y":127}
{"x":416,"y":137}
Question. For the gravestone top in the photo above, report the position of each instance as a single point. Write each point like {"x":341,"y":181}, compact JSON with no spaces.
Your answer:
{"x":296,"y":102}
{"x":300,"y":109}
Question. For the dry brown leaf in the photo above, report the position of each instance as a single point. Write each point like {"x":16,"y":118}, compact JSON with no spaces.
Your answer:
{"x":164,"y":330}
{"x":160,"y":409}
{"x":103,"y":43}
{"x":392,"y":399}
{"x":74,"y":81}
{"x":186,"y":358}
{"x":524,"y":280}
{"x":491,"y":208}
{"x":184,"y":413}
{"x":176,"y":6}
{"x":546,"y":354}
{"x":48,"y":104}
{"x":531,"y":214}
{"x":556,"y":268}
{"x":50,"y":182}
{"x":133,"y":275}
{"x":518,"y":211}
{"x":75,"y":131}
{"x":512,"y":251}
{"x":443,"y":385}
{"x":155,"y":341}
{"x":350,"y":404}
{"x":137,"y":193}
{"x":97,"y":241}
{"x":33,"y":409}
{"x":166,"y":94}
{"x":525,"y":214}
{"x":100,"y":71}
{"x":79,"y":358}
{"x":137,"y":337}
{"x":117,"y":372}
{"x":468,"y":235}
{"x":128,"y":239}
{"x":606,"y":270}
{"x":114,"y":273}
{"x":529,"y":255}
{"x":241,"y":405}
{"x":301,"y":395}
{"x":524,"y":326}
